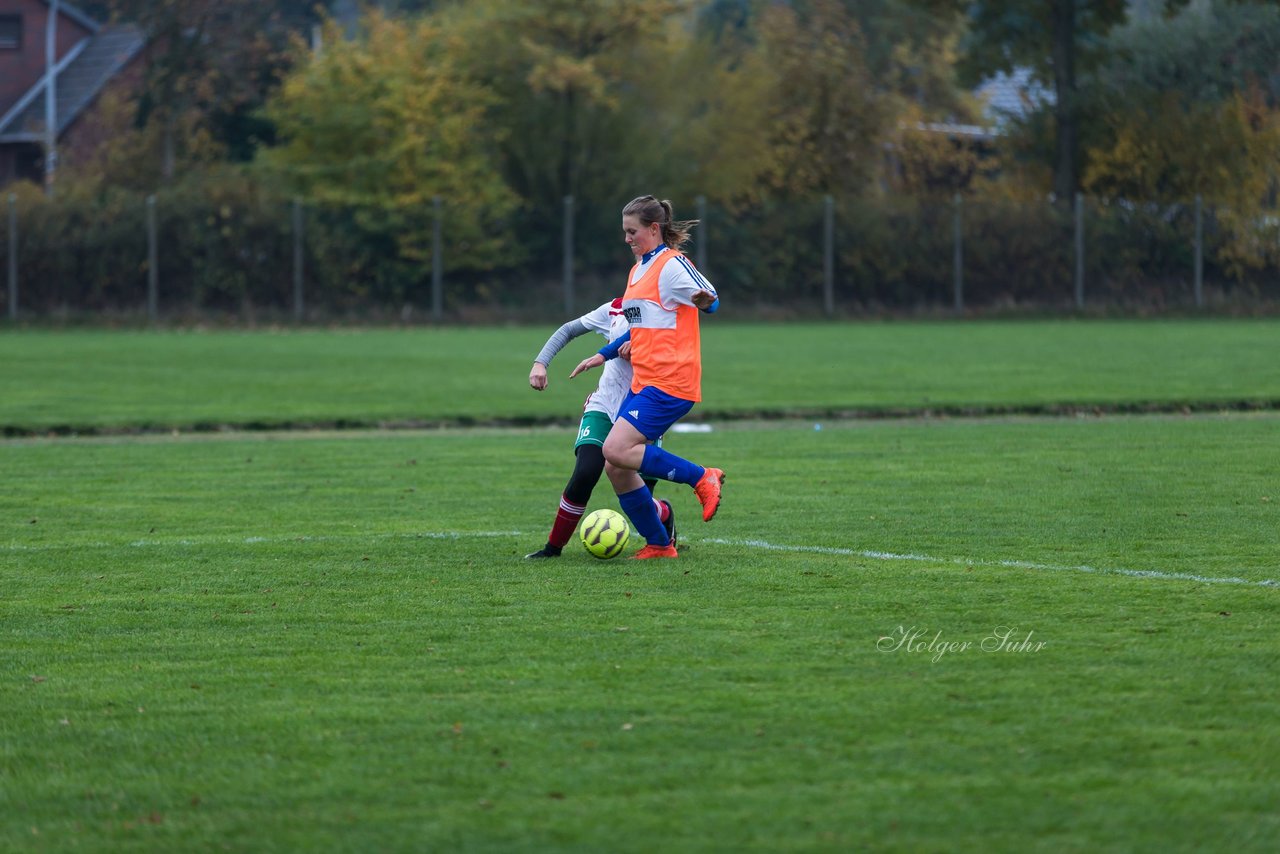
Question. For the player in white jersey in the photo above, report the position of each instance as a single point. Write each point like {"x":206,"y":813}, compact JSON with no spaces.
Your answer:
{"x":599,"y":413}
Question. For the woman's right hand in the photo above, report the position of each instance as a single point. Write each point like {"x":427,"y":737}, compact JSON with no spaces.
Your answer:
{"x":538,"y":376}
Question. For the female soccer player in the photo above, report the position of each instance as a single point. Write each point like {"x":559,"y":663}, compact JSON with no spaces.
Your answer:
{"x":661,"y":305}
{"x":597,"y":419}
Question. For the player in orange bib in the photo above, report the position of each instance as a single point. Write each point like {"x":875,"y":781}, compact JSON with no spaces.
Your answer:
{"x":661,"y":304}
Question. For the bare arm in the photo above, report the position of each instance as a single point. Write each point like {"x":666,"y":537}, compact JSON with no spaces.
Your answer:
{"x":593,"y":361}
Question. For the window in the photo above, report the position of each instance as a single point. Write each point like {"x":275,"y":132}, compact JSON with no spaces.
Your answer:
{"x":10,"y":32}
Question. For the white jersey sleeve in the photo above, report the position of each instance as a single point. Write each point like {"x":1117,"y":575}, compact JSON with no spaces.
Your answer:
{"x":679,"y":281}
{"x":598,"y":319}
{"x":615,"y":378}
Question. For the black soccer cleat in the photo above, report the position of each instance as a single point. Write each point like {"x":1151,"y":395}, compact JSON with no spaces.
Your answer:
{"x":670,"y":524}
{"x":546,"y":551}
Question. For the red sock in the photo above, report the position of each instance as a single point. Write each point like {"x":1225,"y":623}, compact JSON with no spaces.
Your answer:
{"x":566,"y":521}
{"x":662,"y":510}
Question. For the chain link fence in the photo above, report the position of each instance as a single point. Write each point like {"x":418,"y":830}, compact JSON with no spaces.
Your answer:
{"x":246,"y":254}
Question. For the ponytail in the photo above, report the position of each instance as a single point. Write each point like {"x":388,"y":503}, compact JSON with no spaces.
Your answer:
{"x":648,"y":209}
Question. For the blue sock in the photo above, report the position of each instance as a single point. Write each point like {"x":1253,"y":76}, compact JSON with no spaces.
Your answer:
{"x":638,"y":505}
{"x":666,"y":465}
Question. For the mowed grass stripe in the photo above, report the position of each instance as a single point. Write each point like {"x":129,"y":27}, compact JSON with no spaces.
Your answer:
{"x":453,"y":536}
{"x":251,"y":644}
{"x":288,"y":664}
{"x":1191,"y":495}
{"x":112,"y":380}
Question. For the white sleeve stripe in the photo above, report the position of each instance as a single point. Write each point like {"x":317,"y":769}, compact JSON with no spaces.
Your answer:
{"x":698,"y":278}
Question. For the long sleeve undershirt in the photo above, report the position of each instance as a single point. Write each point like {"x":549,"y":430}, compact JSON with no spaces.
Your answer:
{"x":559,"y":339}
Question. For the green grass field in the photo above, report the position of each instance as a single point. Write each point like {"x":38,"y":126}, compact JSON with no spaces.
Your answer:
{"x":87,"y":380}
{"x":1005,"y":634}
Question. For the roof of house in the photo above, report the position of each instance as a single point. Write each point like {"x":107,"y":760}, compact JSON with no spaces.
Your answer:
{"x":1004,"y":97}
{"x":78,"y":78}
{"x":1011,"y":95}
{"x":75,"y":14}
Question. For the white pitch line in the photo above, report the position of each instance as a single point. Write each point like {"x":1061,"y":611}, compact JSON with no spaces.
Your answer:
{"x":755,"y":544}
{"x":18,"y":548}
{"x":302,"y":538}
{"x":1007,"y":564}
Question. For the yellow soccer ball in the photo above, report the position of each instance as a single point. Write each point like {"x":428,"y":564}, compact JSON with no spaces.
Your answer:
{"x":605,"y":533}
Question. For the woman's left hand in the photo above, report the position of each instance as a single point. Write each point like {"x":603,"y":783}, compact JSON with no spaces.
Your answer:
{"x":593,"y":361}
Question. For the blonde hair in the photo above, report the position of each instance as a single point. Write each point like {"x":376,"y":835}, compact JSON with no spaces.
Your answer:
{"x":648,"y":209}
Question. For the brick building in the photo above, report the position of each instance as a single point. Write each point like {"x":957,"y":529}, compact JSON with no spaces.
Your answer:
{"x":90,"y":56}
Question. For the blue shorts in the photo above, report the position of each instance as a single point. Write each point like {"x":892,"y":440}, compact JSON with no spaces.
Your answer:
{"x":652,"y":412}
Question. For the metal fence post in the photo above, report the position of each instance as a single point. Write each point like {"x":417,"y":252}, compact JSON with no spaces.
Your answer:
{"x":829,"y":255}
{"x":957,"y":260}
{"x":437,"y":259}
{"x":297,"y":260}
{"x":1199,"y":253}
{"x":153,"y":254}
{"x":1079,"y":250}
{"x":13,"y":256}
{"x":568,"y":255}
{"x":700,"y":245}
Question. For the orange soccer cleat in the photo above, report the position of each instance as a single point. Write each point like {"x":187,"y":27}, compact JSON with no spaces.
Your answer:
{"x":708,"y":491}
{"x":656,"y":551}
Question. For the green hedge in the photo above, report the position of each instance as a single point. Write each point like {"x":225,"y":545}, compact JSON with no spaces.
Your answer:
{"x":226,"y":246}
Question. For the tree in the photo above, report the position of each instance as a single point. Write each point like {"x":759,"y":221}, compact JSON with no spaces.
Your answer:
{"x":384,"y":122}
{"x":912,"y":53}
{"x":1169,"y":149}
{"x":575,"y":107}
{"x":795,"y":104}
{"x":1205,"y":53}
{"x":571,"y":79}
{"x":1057,"y":40}
{"x":1187,"y":106}
{"x":828,"y":115}
{"x":208,"y":66}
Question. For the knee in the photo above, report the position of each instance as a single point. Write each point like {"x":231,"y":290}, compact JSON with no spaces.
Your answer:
{"x":614,"y":451}
{"x":624,"y":446}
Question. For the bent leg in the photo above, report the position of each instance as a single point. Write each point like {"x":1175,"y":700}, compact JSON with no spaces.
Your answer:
{"x":637,"y":502}
{"x":627,"y":448}
{"x":645,"y":416}
{"x":624,"y":447}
